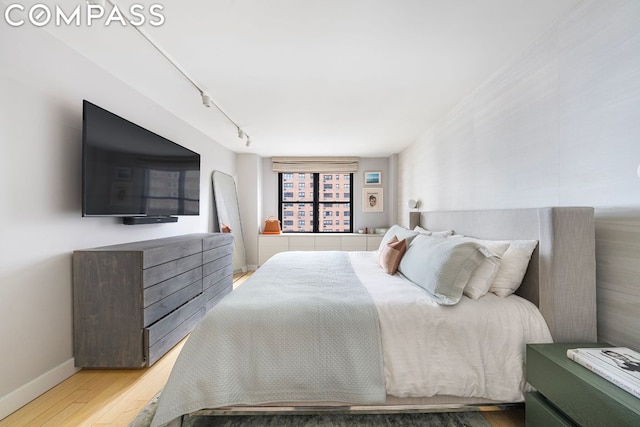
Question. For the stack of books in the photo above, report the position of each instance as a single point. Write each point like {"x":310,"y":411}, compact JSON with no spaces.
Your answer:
{"x":619,"y":365}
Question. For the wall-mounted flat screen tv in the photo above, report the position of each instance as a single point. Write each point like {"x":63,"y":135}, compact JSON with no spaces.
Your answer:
{"x":128,"y":171}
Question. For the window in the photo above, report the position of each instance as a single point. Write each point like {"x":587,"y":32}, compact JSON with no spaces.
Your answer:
{"x":318,"y":205}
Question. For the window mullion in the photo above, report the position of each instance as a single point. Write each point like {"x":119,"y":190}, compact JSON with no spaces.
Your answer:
{"x":316,"y":202}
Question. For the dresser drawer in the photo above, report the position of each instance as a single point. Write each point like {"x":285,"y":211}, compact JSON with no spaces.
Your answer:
{"x":225,"y":273}
{"x":164,"y":253}
{"x":214,"y":298}
{"x":163,"y":327}
{"x":215,"y":265}
{"x":224,"y":284}
{"x":183,"y":322}
{"x":216,"y":241}
{"x":162,"y":272}
{"x":215,"y":253}
{"x":170,"y":303}
{"x":155,"y":293}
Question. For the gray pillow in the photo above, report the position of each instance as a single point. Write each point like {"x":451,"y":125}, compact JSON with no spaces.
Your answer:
{"x":442,"y":267}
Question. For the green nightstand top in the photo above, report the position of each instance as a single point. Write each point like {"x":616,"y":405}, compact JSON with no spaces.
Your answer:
{"x":581,"y":394}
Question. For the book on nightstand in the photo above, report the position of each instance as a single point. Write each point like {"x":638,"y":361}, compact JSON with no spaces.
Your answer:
{"x":618,"y":365}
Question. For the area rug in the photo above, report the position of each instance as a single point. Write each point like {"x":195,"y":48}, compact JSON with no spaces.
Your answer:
{"x":439,"y":419}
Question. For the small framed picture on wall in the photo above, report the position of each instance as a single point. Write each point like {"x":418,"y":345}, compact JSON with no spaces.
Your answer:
{"x":372,"y":200}
{"x":373,"y":178}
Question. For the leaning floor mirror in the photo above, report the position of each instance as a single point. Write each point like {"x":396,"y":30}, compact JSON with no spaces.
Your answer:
{"x":228,"y":215}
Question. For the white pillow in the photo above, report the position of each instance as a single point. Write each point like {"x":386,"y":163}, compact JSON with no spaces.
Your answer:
{"x":445,"y":233}
{"x":483,"y":276}
{"x":513,"y":267}
{"x":398,"y":231}
{"x":422,"y":230}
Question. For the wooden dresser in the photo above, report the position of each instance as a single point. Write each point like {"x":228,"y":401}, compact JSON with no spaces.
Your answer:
{"x":133,"y":302}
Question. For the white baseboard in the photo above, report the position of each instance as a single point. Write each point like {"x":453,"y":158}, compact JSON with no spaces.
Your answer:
{"x":34,"y":388}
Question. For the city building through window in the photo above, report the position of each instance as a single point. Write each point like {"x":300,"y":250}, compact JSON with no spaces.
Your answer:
{"x":320,"y":198}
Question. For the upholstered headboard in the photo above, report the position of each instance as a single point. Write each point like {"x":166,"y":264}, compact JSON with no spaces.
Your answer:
{"x":561,"y":278}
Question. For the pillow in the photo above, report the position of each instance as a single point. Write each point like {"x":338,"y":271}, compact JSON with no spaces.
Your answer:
{"x":513,"y":267}
{"x":442,"y":267}
{"x":445,"y":233}
{"x":391,"y":255}
{"x":483,"y":276}
{"x":421,"y":230}
{"x":398,"y":231}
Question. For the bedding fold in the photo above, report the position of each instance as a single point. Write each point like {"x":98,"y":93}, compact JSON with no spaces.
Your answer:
{"x":302,"y":328}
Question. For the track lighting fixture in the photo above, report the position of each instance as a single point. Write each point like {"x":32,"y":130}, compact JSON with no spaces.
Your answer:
{"x":248,"y":142}
{"x":206,"y":99}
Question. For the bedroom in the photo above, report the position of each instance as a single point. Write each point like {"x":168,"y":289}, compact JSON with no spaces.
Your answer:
{"x":555,"y":126}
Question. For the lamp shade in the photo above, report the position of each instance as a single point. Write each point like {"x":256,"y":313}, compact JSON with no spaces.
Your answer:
{"x":412,"y":204}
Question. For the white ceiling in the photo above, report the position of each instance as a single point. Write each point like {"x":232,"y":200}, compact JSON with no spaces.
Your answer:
{"x":317,"y":77}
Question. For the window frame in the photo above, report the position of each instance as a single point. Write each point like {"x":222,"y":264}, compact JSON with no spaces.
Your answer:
{"x":317,"y":203}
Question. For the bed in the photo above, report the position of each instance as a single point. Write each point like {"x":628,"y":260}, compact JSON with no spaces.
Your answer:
{"x":361,"y":341}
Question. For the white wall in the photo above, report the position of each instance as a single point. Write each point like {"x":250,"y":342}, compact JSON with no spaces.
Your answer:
{"x":250,"y":200}
{"x":557,"y":126}
{"x":43,"y":83}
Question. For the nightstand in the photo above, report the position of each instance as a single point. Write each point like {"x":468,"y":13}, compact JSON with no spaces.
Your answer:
{"x":569,"y":394}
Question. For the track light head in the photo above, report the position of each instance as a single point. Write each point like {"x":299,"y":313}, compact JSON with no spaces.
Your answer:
{"x":206,"y":99}
{"x":248,"y":143}
{"x":240,"y":133}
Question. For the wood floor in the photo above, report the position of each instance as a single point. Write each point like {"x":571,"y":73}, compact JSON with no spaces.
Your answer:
{"x":114,"y":397}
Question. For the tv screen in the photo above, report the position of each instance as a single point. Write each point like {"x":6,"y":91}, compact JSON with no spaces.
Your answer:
{"x":129,"y":171}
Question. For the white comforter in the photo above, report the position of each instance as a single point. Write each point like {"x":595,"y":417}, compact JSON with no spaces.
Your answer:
{"x":471,"y":349}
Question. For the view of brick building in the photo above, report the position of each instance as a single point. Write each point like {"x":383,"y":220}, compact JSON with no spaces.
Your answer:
{"x":333,"y":198}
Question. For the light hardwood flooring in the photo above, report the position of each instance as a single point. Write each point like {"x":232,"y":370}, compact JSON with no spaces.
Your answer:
{"x":114,"y":397}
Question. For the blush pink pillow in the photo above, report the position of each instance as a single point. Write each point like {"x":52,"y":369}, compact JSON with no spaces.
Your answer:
{"x":391,"y":254}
